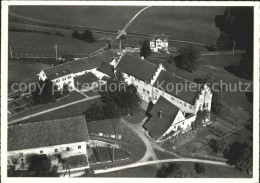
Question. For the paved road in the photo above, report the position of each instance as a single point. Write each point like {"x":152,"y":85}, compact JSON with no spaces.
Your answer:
{"x":52,"y":109}
{"x":121,"y":32}
{"x":158,"y":162}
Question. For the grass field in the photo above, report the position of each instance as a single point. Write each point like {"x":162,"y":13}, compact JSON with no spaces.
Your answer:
{"x":211,"y":171}
{"x":110,"y":17}
{"x":62,"y":113}
{"x":37,"y":44}
{"x":19,"y":72}
{"x":184,"y":23}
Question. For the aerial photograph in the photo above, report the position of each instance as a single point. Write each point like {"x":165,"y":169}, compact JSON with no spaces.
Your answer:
{"x":130,"y":91}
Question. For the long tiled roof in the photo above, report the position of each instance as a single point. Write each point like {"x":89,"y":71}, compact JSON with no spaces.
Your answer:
{"x":77,"y":65}
{"x":136,"y":67}
{"x":189,"y":92}
{"x":158,"y":126}
{"x":47,"y":133}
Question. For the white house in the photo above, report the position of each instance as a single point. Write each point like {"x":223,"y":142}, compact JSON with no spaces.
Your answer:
{"x":64,"y":74}
{"x":61,"y":137}
{"x":159,"y":43}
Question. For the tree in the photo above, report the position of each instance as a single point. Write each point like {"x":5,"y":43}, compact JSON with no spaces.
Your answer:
{"x":118,"y":98}
{"x":76,"y":34}
{"x":45,"y":92}
{"x":217,"y":145}
{"x":240,"y":156}
{"x":236,"y":25}
{"x":200,"y":118}
{"x":40,"y":166}
{"x":172,"y":170}
{"x":87,"y":36}
{"x":216,"y":104}
{"x":145,"y":50}
{"x":199,"y":168}
{"x":188,"y":59}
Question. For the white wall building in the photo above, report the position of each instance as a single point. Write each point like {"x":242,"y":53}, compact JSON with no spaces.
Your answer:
{"x":64,"y":137}
{"x":159,"y":43}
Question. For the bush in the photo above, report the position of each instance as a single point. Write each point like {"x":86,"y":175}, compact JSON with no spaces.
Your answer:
{"x":199,"y":168}
{"x":217,"y":145}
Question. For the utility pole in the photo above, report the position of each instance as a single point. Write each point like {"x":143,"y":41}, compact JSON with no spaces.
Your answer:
{"x":56,"y":50}
{"x":120,"y":46}
{"x":11,"y":52}
{"x":234,"y":44}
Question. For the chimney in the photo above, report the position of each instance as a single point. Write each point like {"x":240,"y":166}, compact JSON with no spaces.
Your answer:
{"x":160,"y":114}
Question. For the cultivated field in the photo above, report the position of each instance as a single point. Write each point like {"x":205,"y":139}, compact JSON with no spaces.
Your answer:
{"x":19,"y":72}
{"x":28,"y":44}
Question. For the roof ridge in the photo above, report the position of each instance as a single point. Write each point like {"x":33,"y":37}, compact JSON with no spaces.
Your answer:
{"x":37,"y":122}
{"x":182,"y":78}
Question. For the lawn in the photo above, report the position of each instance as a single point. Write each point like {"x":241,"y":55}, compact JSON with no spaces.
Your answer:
{"x":24,"y":72}
{"x":211,"y":171}
{"x":182,"y":23}
{"x":74,"y":96}
{"x":37,"y":44}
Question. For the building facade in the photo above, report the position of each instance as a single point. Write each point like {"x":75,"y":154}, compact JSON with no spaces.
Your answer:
{"x":159,"y":43}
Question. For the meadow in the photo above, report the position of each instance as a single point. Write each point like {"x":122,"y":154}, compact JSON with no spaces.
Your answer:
{"x":37,"y":44}
{"x":182,"y":23}
{"x":24,"y":71}
{"x":109,"y":17}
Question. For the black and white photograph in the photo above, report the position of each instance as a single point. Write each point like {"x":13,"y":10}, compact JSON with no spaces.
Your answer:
{"x":130,"y":91}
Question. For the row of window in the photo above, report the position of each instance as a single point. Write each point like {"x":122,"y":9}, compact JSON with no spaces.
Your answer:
{"x":63,"y":79}
{"x":55,"y":150}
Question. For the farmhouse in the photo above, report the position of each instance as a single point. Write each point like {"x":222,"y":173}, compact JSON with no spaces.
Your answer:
{"x":64,"y":74}
{"x":174,"y":97}
{"x":165,"y":118}
{"x":64,"y":138}
{"x":153,"y":81}
{"x":159,"y":43}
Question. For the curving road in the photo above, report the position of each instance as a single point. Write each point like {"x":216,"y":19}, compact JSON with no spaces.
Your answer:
{"x":158,"y":162}
{"x":121,"y":32}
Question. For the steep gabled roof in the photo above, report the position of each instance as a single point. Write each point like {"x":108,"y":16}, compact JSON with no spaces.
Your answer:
{"x":56,"y":72}
{"x":136,"y":67}
{"x":158,"y":126}
{"x":47,"y":133}
{"x":106,"y":68}
{"x":190,"y":90}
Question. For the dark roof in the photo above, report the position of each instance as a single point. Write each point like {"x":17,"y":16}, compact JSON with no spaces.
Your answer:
{"x":162,"y":37}
{"x":107,"y":126}
{"x":106,"y":68}
{"x":136,"y":67}
{"x":47,"y":133}
{"x":56,"y":72}
{"x":158,"y":126}
{"x":86,"y":78}
{"x":78,"y":65}
{"x":190,"y":89}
